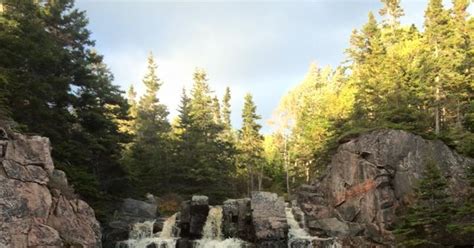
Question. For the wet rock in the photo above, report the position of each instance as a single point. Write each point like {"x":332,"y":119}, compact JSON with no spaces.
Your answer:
{"x":192,"y":217}
{"x":237,"y":219}
{"x":130,"y":212}
{"x":184,"y":243}
{"x":198,"y":212}
{"x":369,"y":178}
{"x":269,"y":219}
{"x":32,"y":212}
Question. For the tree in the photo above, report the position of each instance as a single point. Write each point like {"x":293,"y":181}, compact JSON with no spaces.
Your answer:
{"x":226,"y":109}
{"x":437,"y":31}
{"x":427,"y":218}
{"x":208,"y":157}
{"x":129,"y":126}
{"x":391,"y":9}
{"x":151,"y":151}
{"x":216,"y":107}
{"x":251,"y":144}
{"x":59,"y":87}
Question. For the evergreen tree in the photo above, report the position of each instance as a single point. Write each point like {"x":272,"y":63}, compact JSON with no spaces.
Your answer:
{"x":209,"y":158}
{"x":427,"y":218}
{"x":226,"y":109}
{"x":151,"y":151}
{"x":59,"y":87}
{"x":251,"y":144}
{"x":216,"y":107}
{"x":437,"y":31}
{"x":129,"y":126}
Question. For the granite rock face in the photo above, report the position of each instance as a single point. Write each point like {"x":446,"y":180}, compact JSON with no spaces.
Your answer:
{"x":35,"y":211}
{"x":368,"y":178}
{"x":269,"y":220}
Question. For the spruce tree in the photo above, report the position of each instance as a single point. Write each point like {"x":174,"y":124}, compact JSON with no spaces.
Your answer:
{"x":251,"y":144}
{"x":207,"y":155}
{"x":426,"y":220}
{"x":151,"y":150}
{"x":226,"y":109}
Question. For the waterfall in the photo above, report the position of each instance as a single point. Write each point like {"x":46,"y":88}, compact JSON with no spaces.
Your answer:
{"x":212,"y":233}
{"x":141,"y":235}
{"x":168,"y":228}
{"x":299,"y":238}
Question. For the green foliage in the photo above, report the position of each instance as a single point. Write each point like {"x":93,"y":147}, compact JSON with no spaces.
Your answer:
{"x":250,"y":145}
{"x":149,"y":156}
{"x":428,"y":217}
{"x":396,"y":77}
{"x":53,"y":83}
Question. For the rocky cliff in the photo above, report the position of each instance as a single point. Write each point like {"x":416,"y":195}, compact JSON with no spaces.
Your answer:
{"x":368,"y":179}
{"x":37,"y":207}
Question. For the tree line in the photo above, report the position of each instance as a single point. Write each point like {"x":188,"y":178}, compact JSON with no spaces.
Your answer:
{"x":54,"y":83}
{"x":199,"y":151}
{"x":395,"y":76}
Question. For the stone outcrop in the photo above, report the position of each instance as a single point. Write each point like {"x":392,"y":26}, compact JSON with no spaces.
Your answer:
{"x":193,"y":215}
{"x":269,"y":220}
{"x":237,"y":219}
{"x":368,"y":179}
{"x":37,"y":207}
{"x":131,"y":211}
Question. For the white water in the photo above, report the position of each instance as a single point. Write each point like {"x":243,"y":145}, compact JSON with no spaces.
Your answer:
{"x":212,"y":233}
{"x":142,"y":235}
{"x":296,"y":233}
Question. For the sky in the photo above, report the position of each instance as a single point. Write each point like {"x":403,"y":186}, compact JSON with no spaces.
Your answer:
{"x":260,"y":47}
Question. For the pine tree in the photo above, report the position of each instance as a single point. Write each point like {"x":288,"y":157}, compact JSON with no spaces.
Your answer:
{"x":428,"y":217}
{"x":208,"y":157}
{"x":437,"y":30}
{"x":226,"y":109}
{"x":216,"y":107}
{"x":129,"y":126}
{"x":391,"y":9}
{"x":151,"y":151}
{"x":64,"y":91}
{"x":251,"y":144}
{"x":151,"y":117}
{"x":367,"y":52}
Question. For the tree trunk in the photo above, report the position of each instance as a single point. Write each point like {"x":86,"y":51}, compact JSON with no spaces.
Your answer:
{"x":286,"y":161}
{"x":437,"y":115}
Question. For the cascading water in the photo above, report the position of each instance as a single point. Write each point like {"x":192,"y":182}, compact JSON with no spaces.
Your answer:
{"x":141,"y":235}
{"x":299,"y":238}
{"x":212,"y":233}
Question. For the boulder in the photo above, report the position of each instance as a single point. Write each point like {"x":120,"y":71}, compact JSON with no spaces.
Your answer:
{"x":269,"y":219}
{"x":137,"y":209}
{"x":369,"y":178}
{"x":34,"y":212}
{"x":131,"y":211}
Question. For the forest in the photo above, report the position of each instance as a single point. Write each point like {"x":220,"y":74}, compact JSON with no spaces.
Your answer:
{"x":113,"y":144}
